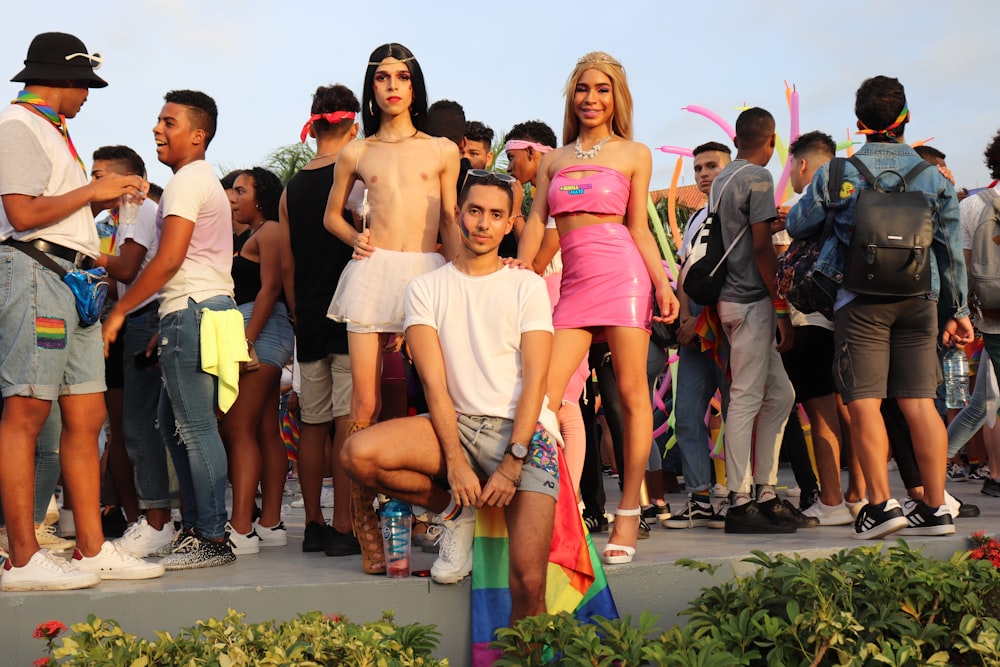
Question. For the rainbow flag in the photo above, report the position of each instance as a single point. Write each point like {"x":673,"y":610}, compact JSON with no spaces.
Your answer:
{"x":575,"y":581}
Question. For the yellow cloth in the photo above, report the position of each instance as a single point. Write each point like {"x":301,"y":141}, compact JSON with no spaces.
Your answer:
{"x":223,"y":347}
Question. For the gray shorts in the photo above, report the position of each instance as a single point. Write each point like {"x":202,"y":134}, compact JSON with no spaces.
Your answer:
{"x":484,"y":440}
{"x":886,"y":348}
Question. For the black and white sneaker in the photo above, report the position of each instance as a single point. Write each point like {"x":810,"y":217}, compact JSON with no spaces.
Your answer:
{"x":195,"y":552}
{"x":718,"y":520}
{"x":875,"y":521}
{"x":693,"y":515}
{"x":922,"y":519}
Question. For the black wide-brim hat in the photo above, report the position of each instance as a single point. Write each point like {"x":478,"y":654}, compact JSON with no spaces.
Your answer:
{"x":58,"y":56}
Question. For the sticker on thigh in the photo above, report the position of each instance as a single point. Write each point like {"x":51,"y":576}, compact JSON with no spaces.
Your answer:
{"x":50,"y":333}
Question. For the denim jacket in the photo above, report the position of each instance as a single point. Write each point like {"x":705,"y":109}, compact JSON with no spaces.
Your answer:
{"x":948,"y":279}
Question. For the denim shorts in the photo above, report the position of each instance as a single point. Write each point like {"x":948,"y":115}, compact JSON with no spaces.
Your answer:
{"x":46,"y":353}
{"x":325,"y":391}
{"x":485,"y":439}
{"x":276,"y":341}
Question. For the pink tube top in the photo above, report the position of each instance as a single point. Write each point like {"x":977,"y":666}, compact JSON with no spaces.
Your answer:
{"x":605,"y":191}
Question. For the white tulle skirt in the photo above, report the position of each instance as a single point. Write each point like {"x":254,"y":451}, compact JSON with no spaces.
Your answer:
{"x":369,"y":296}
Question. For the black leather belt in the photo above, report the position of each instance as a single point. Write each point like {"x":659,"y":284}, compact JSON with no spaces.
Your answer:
{"x":78,"y":259}
{"x":150,"y":307}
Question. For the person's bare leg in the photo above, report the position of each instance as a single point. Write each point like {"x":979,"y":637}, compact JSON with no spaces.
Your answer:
{"x":530,"y":519}
{"x":372,"y":458}
{"x":822,"y":412}
{"x":870,"y":445}
{"x":629,"y":348}
{"x":82,"y":420}
{"x":239,"y":431}
{"x":930,"y":446}
{"x":312,"y":463}
{"x":575,"y":440}
{"x":119,"y":464}
{"x":365,"y":351}
{"x":274,"y":460}
{"x":20,"y":425}
{"x":341,"y":520}
{"x":856,"y":488}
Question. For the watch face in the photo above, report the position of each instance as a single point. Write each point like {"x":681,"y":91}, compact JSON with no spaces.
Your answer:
{"x":518,"y":451}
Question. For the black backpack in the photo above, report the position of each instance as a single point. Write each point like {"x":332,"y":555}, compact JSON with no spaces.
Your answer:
{"x":889,"y":252}
{"x":706,"y":269}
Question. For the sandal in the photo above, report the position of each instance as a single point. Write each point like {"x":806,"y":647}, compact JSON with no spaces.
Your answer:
{"x":628,"y":553}
{"x":366,"y":529}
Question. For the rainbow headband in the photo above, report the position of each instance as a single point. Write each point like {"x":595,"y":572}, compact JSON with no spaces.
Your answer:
{"x":889,"y":130}
{"x":516,"y":144}
{"x":331,"y":118}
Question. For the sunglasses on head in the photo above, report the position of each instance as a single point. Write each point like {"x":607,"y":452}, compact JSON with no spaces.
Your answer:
{"x":486,"y":175}
{"x":96,"y":59}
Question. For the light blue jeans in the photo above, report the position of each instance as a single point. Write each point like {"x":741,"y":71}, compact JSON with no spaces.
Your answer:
{"x":140,"y":399}
{"x":973,"y":416}
{"x":188,"y":401}
{"x":698,"y":376}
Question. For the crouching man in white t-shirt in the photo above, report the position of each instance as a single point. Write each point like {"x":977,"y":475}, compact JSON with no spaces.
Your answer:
{"x":480,"y":335}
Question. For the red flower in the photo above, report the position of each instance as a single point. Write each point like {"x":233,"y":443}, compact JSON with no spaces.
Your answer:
{"x":48,"y":630}
{"x":42,"y":662}
{"x":332,"y":617}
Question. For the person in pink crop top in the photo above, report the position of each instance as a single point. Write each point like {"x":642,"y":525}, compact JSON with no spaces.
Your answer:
{"x":596,"y":188}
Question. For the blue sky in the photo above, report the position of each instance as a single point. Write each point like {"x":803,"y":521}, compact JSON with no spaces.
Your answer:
{"x":507,"y":62}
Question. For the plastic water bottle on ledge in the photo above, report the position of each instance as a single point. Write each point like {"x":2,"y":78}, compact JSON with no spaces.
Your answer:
{"x":956,"y":378}
{"x":396,"y":523}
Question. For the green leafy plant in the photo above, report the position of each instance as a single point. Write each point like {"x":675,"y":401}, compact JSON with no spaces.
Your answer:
{"x":858,"y":607}
{"x":311,"y":639}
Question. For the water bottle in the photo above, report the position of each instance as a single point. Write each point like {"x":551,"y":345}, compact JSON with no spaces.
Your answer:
{"x":396,"y":522}
{"x":956,"y":378}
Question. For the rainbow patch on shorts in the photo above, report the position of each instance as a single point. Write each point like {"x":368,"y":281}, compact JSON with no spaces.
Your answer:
{"x":543,"y":451}
{"x":50,"y":333}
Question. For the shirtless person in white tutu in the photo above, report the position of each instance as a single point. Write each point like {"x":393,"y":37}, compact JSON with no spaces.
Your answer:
{"x":409,"y":178}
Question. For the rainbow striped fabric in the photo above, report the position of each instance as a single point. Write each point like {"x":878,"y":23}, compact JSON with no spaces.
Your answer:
{"x":575,"y":581}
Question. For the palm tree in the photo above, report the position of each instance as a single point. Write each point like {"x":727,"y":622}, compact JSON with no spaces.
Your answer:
{"x":286,"y":161}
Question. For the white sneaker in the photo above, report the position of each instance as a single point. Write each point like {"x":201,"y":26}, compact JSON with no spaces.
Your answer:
{"x":454,"y":561}
{"x":113,"y":562}
{"x":45,"y":572}
{"x":276,"y":536}
{"x":720,"y":491}
{"x":47,"y":539}
{"x":242,"y":545}
{"x":52,"y":512}
{"x":793,"y":491}
{"x":298,"y":503}
{"x":326,"y":497}
{"x":143,"y":540}
{"x":855,"y":507}
{"x":67,"y":526}
{"x":830,"y":515}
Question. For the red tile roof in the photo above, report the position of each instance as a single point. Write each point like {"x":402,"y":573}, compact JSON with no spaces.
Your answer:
{"x":688,"y":196}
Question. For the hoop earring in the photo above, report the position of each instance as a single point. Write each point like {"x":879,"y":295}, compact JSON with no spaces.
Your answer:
{"x":370,"y":110}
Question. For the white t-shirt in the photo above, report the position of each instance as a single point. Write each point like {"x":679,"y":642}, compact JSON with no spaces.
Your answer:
{"x":35,"y":161}
{"x":479,"y":321}
{"x":144,"y":232}
{"x":194,"y":193}
{"x":971,"y":210}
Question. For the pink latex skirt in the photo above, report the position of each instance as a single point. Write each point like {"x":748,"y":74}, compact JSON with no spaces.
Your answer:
{"x":604,"y":280}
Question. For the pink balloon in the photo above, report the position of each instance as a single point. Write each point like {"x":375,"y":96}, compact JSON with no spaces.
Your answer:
{"x":712,"y":116}
{"x":779,"y":190}
{"x":677,"y":150}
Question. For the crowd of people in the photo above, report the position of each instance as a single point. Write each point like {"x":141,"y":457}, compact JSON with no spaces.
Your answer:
{"x":443,"y":320}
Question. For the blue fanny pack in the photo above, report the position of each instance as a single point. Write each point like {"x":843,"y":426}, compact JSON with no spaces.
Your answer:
{"x":88,"y":286}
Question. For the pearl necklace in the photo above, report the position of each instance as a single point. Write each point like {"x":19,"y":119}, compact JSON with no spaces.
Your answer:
{"x":592,"y":153}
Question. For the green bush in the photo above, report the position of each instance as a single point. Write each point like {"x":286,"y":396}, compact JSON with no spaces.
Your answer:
{"x":859,"y":607}
{"x":309,"y":640}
